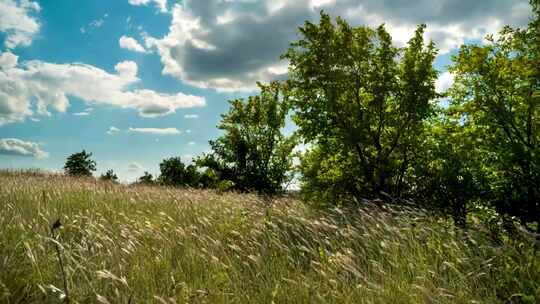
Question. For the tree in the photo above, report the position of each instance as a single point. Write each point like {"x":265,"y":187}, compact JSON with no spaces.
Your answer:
{"x":496,"y":95}
{"x":80,"y":164}
{"x":175,"y":173}
{"x":146,"y":179}
{"x":109,"y":176}
{"x":447,"y":168}
{"x":253,"y":153}
{"x":360,"y":102}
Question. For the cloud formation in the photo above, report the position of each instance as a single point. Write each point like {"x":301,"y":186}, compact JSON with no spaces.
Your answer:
{"x":113,"y":130}
{"x":15,"y":146}
{"x":86,"y":112}
{"x":155,"y":131}
{"x":131,"y":44}
{"x":18,"y":23}
{"x":229,"y":45}
{"x":161,"y":4}
{"x":44,"y":86}
{"x":134,"y":167}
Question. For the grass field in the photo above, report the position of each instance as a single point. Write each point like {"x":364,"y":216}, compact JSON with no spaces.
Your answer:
{"x":139,"y":244}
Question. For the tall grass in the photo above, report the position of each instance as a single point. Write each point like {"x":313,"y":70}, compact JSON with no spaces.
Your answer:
{"x":146,"y":244}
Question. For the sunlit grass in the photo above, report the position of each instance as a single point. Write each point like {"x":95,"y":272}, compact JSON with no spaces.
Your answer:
{"x":148,"y":244}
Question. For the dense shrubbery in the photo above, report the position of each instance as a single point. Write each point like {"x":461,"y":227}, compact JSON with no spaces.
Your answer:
{"x":375,"y":126}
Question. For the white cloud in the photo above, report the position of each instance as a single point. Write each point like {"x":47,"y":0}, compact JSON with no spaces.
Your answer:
{"x":86,"y":112}
{"x":47,"y":86}
{"x":14,"y":146}
{"x":191,"y":116}
{"x":161,"y":4}
{"x":113,"y":130}
{"x":7,"y":60}
{"x":94,"y":24}
{"x":81,"y":113}
{"x":127,"y":69}
{"x":229,"y":45}
{"x":191,"y":143}
{"x":97,"y":23}
{"x":444,"y":82}
{"x":131,"y":44}
{"x":17,"y":22}
{"x":155,"y":131}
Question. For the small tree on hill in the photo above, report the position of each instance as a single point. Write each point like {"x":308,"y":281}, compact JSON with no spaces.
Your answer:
{"x":109,"y":176}
{"x":253,"y":153}
{"x":146,"y":179}
{"x":80,"y":164}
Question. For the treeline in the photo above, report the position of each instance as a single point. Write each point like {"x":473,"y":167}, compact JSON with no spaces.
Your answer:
{"x":375,"y":127}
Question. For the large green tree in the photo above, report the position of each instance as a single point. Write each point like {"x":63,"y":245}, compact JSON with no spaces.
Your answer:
{"x":253,"y":153}
{"x":359,"y":101}
{"x":80,"y":164}
{"x":496,"y":97}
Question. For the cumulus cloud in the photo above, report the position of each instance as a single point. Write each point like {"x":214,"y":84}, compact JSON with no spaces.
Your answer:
{"x":161,"y":4}
{"x":17,"y":22}
{"x":15,"y":146}
{"x":155,"y":131}
{"x":191,"y":116}
{"x":131,"y":44}
{"x":47,"y":86}
{"x":229,"y":45}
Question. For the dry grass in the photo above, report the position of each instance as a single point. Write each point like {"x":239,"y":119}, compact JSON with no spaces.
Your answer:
{"x":143,"y":244}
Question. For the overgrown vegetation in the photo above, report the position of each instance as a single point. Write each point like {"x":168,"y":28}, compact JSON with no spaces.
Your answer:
{"x":407,"y":197}
{"x":376,"y":128}
{"x":139,"y":244}
{"x":253,"y":154}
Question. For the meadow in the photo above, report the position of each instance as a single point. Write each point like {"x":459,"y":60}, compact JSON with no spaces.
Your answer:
{"x":141,"y":244}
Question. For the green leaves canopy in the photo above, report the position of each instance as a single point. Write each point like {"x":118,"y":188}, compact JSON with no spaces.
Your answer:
{"x":253,"y":153}
{"x":360,"y":97}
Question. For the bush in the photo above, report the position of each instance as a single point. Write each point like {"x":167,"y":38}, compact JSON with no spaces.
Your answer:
{"x":80,"y":164}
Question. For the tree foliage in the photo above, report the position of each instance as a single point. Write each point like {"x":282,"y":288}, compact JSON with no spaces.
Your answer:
{"x":175,"y":173}
{"x":360,"y":101}
{"x":495,"y":96}
{"x":80,"y":164}
{"x":146,"y":179}
{"x":109,"y":176}
{"x":253,"y":154}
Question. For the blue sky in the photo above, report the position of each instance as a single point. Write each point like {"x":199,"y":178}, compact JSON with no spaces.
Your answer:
{"x":135,"y":81}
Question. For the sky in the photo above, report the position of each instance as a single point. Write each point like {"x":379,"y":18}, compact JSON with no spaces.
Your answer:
{"x":136,"y":81}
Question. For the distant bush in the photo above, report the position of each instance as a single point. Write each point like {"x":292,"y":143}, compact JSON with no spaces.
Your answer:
{"x":173,"y":172}
{"x":109,"y":176}
{"x":146,"y":179}
{"x":80,"y":164}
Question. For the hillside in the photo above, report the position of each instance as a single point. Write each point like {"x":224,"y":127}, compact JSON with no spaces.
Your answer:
{"x":137,"y":244}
